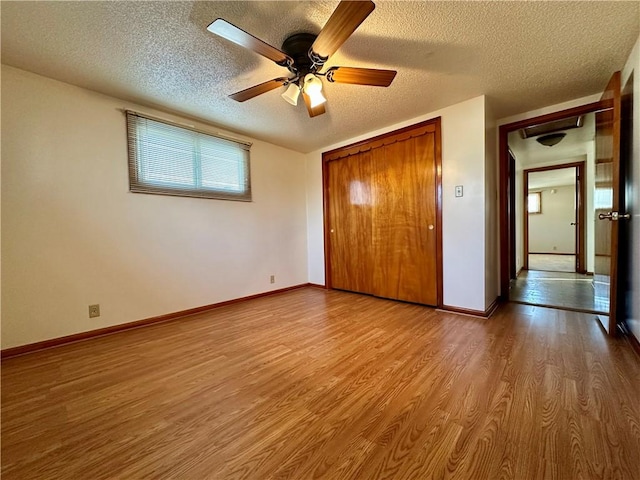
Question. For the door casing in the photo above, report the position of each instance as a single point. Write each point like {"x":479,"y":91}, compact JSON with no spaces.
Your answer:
{"x":579,"y":214}
{"x":506,"y":253}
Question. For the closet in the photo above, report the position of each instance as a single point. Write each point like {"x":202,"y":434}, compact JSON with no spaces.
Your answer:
{"x":382,"y":215}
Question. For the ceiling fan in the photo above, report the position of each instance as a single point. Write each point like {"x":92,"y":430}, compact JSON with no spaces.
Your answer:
{"x":304,"y":55}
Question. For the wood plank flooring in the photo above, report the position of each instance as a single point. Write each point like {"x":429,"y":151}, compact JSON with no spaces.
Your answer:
{"x":332,"y":385}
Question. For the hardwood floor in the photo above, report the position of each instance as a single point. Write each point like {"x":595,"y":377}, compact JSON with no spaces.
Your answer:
{"x":333,"y":385}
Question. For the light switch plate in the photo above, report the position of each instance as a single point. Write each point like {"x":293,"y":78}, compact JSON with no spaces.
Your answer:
{"x":458,"y":190}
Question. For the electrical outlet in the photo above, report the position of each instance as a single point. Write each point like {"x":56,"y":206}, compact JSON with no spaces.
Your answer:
{"x":458,"y":190}
{"x":273,"y":279}
{"x":94,"y":311}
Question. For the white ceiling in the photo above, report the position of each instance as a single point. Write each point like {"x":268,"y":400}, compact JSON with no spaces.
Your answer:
{"x":522,"y":55}
{"x":552,"y":178}
{"x":529,"y":152}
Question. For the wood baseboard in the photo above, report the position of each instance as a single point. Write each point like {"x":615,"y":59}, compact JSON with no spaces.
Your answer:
{"x":317,"y":285}
{"x":77,"y":337}
{"x":473,"y":313}
{"x":550,"y":253}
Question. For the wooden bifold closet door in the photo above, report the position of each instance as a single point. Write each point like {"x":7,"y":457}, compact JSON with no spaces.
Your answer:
{"x":381,"y":199}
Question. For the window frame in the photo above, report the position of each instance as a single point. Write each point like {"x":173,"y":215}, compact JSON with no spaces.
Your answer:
{"x":136,"y":161}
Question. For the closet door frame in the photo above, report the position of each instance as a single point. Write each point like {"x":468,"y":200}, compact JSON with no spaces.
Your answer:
{"x":428,"y":126}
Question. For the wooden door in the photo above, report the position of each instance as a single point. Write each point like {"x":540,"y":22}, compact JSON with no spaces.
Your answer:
{"x":628,"y":194}
{"x":404,"y":219}
{"x":350,"y":223}
{"x":382,"y":221}
{"x":607,"y":204}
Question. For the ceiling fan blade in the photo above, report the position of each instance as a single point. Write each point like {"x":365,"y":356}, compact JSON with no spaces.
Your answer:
{"x":342,"y":23}
{"x":361,"y":76}
{"x":313,"y":111}
{"x":238,"y":36}
{"x":249,"y":93}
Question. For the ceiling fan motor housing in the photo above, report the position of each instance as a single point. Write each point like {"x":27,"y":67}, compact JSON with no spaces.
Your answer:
{"x":297,"y":46}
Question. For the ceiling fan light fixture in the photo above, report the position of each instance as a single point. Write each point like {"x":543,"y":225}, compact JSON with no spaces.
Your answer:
{"x":313,"y":88}
{"x":317,"y":99}
{"x":551,"y":139}
{"x":291,"y":94}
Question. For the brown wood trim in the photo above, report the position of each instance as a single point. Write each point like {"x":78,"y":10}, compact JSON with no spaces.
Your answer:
{"x":380,"y":140}
{"x":580,"y":192}
{"x":100,"y":332}
{"x":525,"y":219}
{"x":512,"y":215}
{"x":550,"y":117}
{"x":432,"y":125}
{"x":555,"y":167}
{"x":317,"y":285}
{"x":438,"y":153}
{"x":503,"y":209}
{"x":503,"y":152}
{"x":549,"y":253}
{"x":473,"y":313}
{"x":326,"y":226}
{"x":581,"y":214}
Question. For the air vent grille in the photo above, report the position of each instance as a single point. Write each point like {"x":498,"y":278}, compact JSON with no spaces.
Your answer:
{"x":551,"y":127}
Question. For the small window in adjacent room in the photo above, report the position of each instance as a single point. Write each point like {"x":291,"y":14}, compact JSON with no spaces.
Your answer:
{"x":535,"y":202}
{"x":170,"y":160}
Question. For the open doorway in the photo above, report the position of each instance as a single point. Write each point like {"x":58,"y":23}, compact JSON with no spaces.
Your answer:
{"x":552,"y":225}
{"x":554,"y":220}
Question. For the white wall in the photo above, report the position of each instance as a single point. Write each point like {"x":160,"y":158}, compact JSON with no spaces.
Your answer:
{"x":463,"y":163}
{"x":551,"y":231}
{"x":492,"y":225}
{"x":633,"y":65}
{"x":73,"y":234}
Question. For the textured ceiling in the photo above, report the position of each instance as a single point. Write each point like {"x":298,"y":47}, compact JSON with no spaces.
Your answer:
{"x":522,"y":55}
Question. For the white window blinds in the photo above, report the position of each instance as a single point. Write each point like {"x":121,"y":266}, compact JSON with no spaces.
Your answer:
{"x":170,"y":160}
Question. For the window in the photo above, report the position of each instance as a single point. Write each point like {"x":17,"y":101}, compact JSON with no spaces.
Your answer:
{"x":535,"y":202}
{"x":170,"y":160}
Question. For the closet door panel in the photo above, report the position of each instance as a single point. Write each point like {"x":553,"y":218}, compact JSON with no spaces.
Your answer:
{"x":350,"y":223}
{"x":404,"y":220}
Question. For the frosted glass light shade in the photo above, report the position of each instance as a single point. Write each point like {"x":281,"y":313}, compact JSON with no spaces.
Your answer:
{"x":291,"y":94}
{"x":317,"y":99}
{"x":313,"y":88}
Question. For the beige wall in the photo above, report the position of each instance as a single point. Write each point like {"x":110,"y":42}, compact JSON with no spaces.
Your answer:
{"x":551,"y":231}
{"x":464,"y":222}
{"x":73,"y":235}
